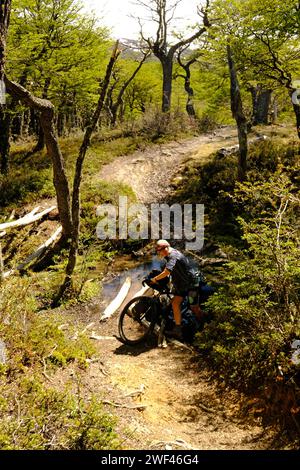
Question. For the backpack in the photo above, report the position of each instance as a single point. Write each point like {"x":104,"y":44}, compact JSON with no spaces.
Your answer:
{"x":198,"y":279}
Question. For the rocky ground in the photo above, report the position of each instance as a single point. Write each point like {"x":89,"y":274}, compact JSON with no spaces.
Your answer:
{"x":165,"y":398}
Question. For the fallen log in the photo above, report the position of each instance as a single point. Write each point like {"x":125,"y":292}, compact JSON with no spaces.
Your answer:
{"x":207,"y":261}
{"x":1,"y":265}
{"x":27,"y":219}
{"x":118,"y":300}
{"x":145,"y":290}
{"x":36,"y":254}
{"x":2,"y":234}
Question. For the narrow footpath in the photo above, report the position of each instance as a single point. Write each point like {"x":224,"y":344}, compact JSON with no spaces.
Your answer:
{"x":165,"y":398}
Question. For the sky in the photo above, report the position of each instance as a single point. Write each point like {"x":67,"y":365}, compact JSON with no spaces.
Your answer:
{"x":116,"y":15}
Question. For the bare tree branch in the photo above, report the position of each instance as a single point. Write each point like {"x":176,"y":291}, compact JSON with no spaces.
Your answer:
{"x":164,"y":14}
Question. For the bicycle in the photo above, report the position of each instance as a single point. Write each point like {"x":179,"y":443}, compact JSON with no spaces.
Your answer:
{"x":141,"y":314}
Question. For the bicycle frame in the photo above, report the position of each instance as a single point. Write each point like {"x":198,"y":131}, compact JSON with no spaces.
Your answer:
{"x":161,"y":313}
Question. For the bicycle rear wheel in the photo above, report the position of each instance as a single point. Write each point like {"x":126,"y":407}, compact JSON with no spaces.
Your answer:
{"x":137,"y":320}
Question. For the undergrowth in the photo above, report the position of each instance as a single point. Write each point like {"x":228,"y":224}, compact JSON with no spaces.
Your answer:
{"x":35,"y":414}
{"x":255,"y":311}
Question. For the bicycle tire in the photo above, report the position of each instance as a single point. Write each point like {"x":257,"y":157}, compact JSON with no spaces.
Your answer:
{"x":137,"y":320}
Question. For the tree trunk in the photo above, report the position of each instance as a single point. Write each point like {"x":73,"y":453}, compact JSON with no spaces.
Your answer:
{"x":59,"y":175}
{"x":78,"y":175}
{"x":297,"y":114}
{"x":17,"y":125}
{"x":5,"y":120}
{"x":190,"y":92}
{"x":190,"y":107}
{"x":39,"y":128}
{"x":40,"y":143}
{"x":114,"y":107}
{"x":239,"y":116}
{"x":61,"y":123}
{"x":5,"y":6}
{"x":187,"y":81}
{"x":264,"y":100}
{"x":162,"y":13}
{"x":167,"y":66}
{"x":296,"y":107}
{"x":26,"y":123}
{"x":17,"y":122}
{"x":80,"y":160}
{"x":261,"y":100}
{"x":113,"y":113}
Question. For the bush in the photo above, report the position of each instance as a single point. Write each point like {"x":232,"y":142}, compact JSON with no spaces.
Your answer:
{"x":213,"y":183}
{"x":32,"y":339}
{"x":35,"y":417}
{"x":256,"y":313}
{"x":156,"y":125}
{"x":25,"y":186}
{"x":207,"y":123}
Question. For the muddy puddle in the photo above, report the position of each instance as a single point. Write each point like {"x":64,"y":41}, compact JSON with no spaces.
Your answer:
{"x":137,"y":273}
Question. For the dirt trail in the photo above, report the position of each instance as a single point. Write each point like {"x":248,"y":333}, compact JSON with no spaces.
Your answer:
{"x":180,"y":406}
{"x":165,"y":398}
{"x":150,"y":172}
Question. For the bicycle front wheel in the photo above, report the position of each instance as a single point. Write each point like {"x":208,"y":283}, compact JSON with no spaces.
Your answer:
{"x":137,"y":320}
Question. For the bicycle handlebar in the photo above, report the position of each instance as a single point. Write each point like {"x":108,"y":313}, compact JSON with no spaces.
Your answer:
{"x":155,"y":286}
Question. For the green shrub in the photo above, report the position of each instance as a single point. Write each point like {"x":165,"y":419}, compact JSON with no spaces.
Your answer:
{"x":33,"y":339}
{"x":213,"y":183}
{"x":206,"y":123}
{"x":35,"y":417}
{"x":256,"y":312}
{"x":157,"y":125}
{"x":25,"y":185}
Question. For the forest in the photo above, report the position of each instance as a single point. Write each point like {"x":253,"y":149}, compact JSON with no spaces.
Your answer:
{"x":208,"y":114}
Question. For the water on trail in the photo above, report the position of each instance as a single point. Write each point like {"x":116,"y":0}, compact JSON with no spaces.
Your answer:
{"x":137,"y":273}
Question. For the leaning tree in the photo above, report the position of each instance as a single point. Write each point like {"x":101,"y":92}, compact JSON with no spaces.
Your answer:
{"x":69,"y":211}
{"x":5,"y":7}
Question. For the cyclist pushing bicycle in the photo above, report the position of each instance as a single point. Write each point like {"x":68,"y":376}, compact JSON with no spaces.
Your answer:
{"x":177,"y":266}
{"x":144,"y":314}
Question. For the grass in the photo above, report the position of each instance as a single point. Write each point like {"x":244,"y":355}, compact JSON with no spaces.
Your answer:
{"x":39,"y":408}
{"x":30,"y":178}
